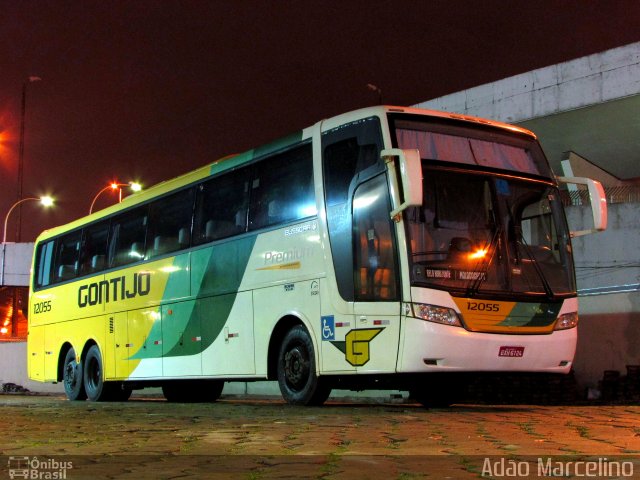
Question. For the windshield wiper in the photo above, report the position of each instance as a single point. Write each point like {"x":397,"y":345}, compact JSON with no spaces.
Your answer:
{"x":515,"y":235}
{"x":536,"y":265}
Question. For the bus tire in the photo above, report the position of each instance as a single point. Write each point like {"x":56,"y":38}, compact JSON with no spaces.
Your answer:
{"x":192,"y":391}
{"x":95,"y":386}
{"x":72,"y":377}
{"x":297,"y":378}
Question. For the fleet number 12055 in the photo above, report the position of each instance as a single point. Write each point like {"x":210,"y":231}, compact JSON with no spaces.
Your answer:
{"x":483,"y":307}
{"x":42,"y":307}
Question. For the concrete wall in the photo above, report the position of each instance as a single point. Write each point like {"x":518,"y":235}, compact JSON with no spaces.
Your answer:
{"x":608,"y":336}
{"x":608,"y":275}
{"x":13,"y":368}
{"x":607,"y":261}
{"x":16,"y":264}
{"x":589,"y":80}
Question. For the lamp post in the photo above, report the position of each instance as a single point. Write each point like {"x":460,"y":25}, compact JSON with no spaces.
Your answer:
{"x":135,"y":186}
{"x":45,"y":201}
{"x":21,"y":150}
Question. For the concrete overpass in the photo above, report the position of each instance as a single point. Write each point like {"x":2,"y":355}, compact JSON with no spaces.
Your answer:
{"x":590,"y":106}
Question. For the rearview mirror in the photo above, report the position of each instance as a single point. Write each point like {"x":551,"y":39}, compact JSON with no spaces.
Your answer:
{"x":409,"y":176}
{"x":598,"y":201}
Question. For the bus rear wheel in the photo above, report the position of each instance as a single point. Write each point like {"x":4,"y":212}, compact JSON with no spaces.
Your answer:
{"x":297,"y":377}
{"x":72,"y":377}
{"x":97,"y":389}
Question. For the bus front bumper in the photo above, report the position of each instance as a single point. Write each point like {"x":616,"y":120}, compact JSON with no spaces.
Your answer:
{"x":431,"y":347}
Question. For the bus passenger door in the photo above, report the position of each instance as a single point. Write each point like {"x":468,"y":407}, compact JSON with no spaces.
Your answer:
{"x":365,"y":302}
{"x":373,"y":346}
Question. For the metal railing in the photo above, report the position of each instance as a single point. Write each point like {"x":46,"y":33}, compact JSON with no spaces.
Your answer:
{"x":623,"y":194}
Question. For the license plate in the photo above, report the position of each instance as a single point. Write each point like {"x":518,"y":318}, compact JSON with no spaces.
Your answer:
{"x":507,"y":351}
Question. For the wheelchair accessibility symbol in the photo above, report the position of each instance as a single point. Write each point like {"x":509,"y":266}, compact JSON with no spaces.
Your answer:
{"x":328,"y":328}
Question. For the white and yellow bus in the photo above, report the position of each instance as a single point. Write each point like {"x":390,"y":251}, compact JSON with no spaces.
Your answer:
{"x":386,"y":247}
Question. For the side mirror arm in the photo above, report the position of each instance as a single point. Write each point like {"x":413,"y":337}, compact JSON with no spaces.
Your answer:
{"x":409,"y":177}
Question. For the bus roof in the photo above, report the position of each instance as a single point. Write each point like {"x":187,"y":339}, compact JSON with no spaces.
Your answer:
{"x":384,"y":109}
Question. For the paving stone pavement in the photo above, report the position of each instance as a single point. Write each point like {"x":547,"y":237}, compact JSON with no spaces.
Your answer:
{"x":251,"y":439}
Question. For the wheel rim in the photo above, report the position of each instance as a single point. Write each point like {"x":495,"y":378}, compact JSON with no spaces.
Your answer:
{"x":296,"y":367}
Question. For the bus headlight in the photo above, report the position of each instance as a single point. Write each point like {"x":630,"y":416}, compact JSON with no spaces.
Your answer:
{"x":567,"y":320}
{"x":432,"y":313}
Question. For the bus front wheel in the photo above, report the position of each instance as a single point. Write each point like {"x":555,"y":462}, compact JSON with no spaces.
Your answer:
{"x":297,"y":377}
{"x":72,"y":377}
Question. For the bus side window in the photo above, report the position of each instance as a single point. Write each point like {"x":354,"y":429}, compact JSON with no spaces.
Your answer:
{"x":221,"y":207}
{"x":44,"y":265}
{"x":67,"y":256}
{"x":282,"y":188}
{"x":343,"y":161}
{"x":94,"y":248}
{"x":170,"y":223}
{"x":127,"y":237}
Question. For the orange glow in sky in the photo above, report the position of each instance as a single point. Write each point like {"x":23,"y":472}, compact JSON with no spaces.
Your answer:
{"x":8,"y":140}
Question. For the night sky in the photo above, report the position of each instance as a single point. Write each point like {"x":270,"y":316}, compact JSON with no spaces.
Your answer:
{"x":142,"y":90}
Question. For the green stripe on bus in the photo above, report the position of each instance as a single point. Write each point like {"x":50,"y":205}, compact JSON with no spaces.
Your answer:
{"x":532,"y":315}
{"x":217,"y":273}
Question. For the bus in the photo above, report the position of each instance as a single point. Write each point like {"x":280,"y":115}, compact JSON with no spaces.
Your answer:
{"x":387,"y":248}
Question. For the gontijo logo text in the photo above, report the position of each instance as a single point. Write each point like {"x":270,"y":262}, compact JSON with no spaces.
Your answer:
{"x":114,"y":289}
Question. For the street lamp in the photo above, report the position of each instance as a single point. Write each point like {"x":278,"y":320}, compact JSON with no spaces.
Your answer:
{"x":135,"y":186}
{"x":45,"y":201}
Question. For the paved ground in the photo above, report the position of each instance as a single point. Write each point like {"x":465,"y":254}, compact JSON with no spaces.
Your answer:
{"x":261,"y":439}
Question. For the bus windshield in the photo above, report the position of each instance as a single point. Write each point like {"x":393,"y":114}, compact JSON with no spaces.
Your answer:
{"x":480,"y":234}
